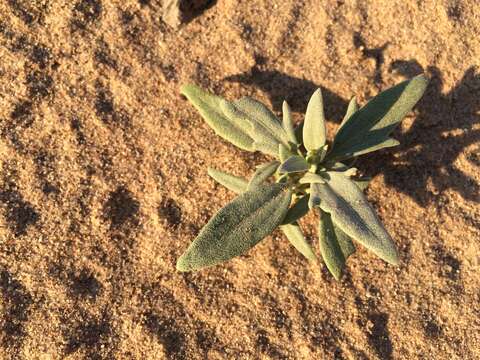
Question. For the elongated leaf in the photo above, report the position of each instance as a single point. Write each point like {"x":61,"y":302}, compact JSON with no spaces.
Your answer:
{"x":258,"y":112}
{"x":263,"y":140}
{"x":237,"y":227}
{"x":208,"y":106}
{"x":314,"y":132}
{"x":351,"y":212}
{"x":315,"y":196}
{"x":262,"y":130}
{"x":283,"y":152}
{"x":297,"y":211}
{"x":294,"y":163}
{"x":364,"y":149}
{"x":329,"y":246}
{"x":231,"y":182}
{"x":345,"y":242}
{"x":299,"y":132}
{"x":362,"y":183}
{"x":262,"y":173}
{"x":288,"y":123}
{"x":352,"y":109}
{"x":372,"y":124}
{"x":295,"y":236}
{"x":311,"y":178}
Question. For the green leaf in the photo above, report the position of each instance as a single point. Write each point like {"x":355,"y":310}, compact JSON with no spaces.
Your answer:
{"x":362,"y":183}
{"x":237,"y":227}
{"x":288,"y":123}
{"x":345,"y":242}
{"x":364,"y":148}
{"x":315,"y":198}
{"x":352,"y":109}
{"x":299,"y":132}
{"x":314,"y":132}
{"x":283,"y":152}
{"x":311,"y":178}
{"x":372,"y":124}
{"x":262,"y":173}
{"x":297,"y":211}
{"x":295,"y":236}
{"x":265,"y":130}
{"x":294,"y":163}
{"x":258,"y":112}
{"x":329,"y":246}
{"x":232,"y":182}
{"x":351,"y":212}
{"x":263,"y":140}
{"x":208,"y":106}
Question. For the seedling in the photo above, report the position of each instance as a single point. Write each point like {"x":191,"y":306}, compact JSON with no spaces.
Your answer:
{"x":309,"y":173}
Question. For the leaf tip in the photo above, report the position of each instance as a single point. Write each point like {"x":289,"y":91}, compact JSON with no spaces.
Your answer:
{"x":185,"y":89}
{"x":393,"y":258}
{"x":183,"y":264}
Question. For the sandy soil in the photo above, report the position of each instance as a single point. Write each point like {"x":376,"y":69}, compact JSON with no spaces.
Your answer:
{"x":103,"y":181}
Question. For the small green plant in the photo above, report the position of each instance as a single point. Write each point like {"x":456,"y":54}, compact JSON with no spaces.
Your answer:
{"x":310,"y":173}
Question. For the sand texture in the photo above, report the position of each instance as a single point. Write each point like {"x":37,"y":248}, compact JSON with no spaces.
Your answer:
{"x":103,"y":181}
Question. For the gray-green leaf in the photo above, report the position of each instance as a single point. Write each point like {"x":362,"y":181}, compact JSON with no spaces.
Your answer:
{"x":294,"y":163}
{"x":232,"y":182}
{"x":314,"y":131}
{"x":265,"y":129}
{"x":352,"y":109}
{"x":263,"y":139}
{"x":329,"y":246}
{"x":288,"y":123}
{"x":314,"y":199}
{"x":262,"y":173}
{"x":237,"y":227}
{"x":363,"y":182}
{"x":295,"y":236}
{"x":371,"y":125}
{"x":345,"y":242}
{"x":283,"y":152}
{"x":366,"y":148}
{"x":208,"y":106}
{"x":311,"y":178}
{"x":297,"y":211}
{"x":351,"y":212}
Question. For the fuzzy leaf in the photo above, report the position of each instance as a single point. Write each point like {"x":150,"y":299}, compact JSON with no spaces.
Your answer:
{"x":329,"y":246}
{"x":371,"y":125}
{"x":295,"y":236}
{"x":294,"y":163}
{"x":345,"y":242}
{"x":311,"y":178}
{"x":352,"y":213}
{"x":265,"y":130}
{"x":231,"y":182}
{"x":365,"y":149}
{"x":352,"y":109}
{"x":362,"y":183}
{"x":208,"y":106}
{"x":263,"y":140}
{"x":315,"y":198}
{"x":288,"y":123}
{"x":258,"y":112}
{"x":262,"y":173}
{"x":237,"y":227}
{"x":283,"y":152}
{"x":299,"y":132}
{"x":314,"y":132}
{"x":297,"y":211}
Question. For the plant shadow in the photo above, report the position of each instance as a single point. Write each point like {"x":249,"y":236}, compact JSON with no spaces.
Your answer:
{"x":279,"y":86}
{"x":424,"y":165}
{"x":425,"y":162}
